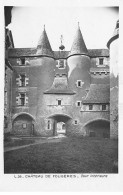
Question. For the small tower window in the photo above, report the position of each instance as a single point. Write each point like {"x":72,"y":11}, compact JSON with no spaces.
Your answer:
{"x":59,"y":102}
{"x":75,"y":122}
{"x":78,"y":103}
{"x":79,"y":83}
{"x":61,"y":64}
{"x":103,"y":107}
{"x":48,"y":125}
{"x":90,"y":107}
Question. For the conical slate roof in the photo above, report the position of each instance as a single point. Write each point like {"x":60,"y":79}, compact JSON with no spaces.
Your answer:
{"x":78,"y":46}
{"x":44,"y":47}
{"x":60,"y":86}
{"x":115,"y":34}
{"x":98,"y":93}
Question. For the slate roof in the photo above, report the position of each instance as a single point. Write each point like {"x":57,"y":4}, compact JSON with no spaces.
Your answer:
{"x":115,"y":34}
{"x":30,"y":52}
{"x":98,"y":93}
{"x":44,"y":47}
{"x":78,"y":46}
{"x":60,"y":86}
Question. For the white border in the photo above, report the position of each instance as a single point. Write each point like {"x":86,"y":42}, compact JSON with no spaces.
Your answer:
{"x":114,"y":182}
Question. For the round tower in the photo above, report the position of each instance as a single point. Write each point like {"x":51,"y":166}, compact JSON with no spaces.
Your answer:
{"x":113,"y":47}
{"x":43,"y":74}
{"x":45,"y":59}
{"x":79,"y":66}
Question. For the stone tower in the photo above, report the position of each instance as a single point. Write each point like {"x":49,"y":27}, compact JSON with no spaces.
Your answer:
{"x":113,"y":47}
{"x":44,"y":75}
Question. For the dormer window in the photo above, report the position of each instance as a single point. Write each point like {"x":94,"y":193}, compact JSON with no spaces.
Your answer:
{"x":61,"y":64}
{"x":101,"y":60}
{"x":22,"y":61}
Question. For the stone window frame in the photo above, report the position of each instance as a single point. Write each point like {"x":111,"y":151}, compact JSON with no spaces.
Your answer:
{"x":21,"y":62}
{"x":20,"y":97}
{"x":101,"y":61}
{"x":79,"y":85}
{"x":23,"y":81}
{"x":105,"y":61}
{"x":48,"y":124}
{"x":90,"y":106}
{"x":59,"y":99}
{"x":58,"y":65}
{"x":104,"y":107}
{"x":19,"y":80}
{"x":78,"y":102}
{"x":76,"y":122}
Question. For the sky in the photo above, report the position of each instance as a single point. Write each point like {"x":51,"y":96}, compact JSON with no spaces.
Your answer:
{"x":96,"y":23}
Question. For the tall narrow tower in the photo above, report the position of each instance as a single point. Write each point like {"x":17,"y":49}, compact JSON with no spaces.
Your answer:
{"x":113,"y":47}
{"x":79,"y":66}
{"x":44,"y":74}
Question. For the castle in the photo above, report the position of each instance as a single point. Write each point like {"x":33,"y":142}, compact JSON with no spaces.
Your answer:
{"x":52,"y":92}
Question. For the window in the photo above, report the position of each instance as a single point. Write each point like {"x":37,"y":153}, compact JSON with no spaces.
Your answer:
{"x":104,"y":107}
{"x":90,"y":107}
{"x":22,"y":79}
{"x":59,"y":102}
{"x":101,"y":61}
{"x":78,"y":103}
{"x":22,"y":61}
{"x":75,"y":122}
{"x":5,"y":98}
{"x":61,"y":64}
{"x":22,"y":99}
{"x":48,"y":125}
{"x":79,"y":83}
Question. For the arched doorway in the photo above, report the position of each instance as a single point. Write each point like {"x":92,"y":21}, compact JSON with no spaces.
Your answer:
{"x":23,"y":125}
{"x":98,"y":128}
{"x":60,"y":123}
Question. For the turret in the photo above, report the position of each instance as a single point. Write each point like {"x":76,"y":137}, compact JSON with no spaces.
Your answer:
{"x":44,"y":47}
{"x":79,"y":65}
{"x":78,"y":46}
{"x":113,"y":47}
{"x":45,"y":70}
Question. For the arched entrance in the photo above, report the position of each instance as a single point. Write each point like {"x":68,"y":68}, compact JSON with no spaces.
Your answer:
{"x":60,"y":124}
{"x":98,"y":128}
{"x":23,"y":125}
